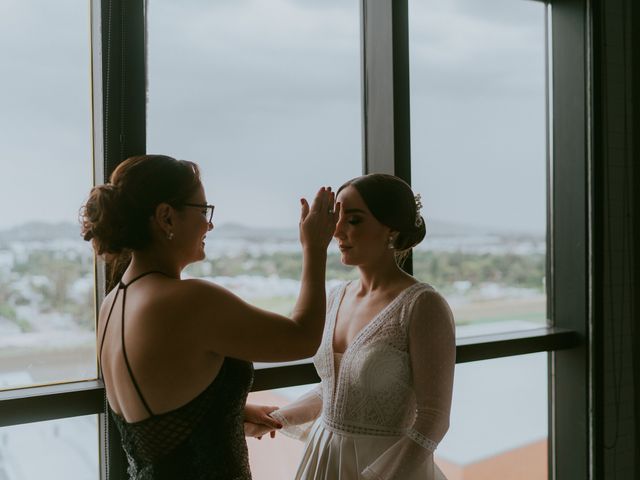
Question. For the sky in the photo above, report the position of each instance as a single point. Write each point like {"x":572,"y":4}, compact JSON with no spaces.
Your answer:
{"x":265,"y":96}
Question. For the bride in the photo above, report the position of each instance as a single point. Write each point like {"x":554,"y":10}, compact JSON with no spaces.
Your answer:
{"x":387,"y":356}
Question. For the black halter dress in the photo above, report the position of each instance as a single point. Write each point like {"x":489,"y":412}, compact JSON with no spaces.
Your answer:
{"x":201,"y":440}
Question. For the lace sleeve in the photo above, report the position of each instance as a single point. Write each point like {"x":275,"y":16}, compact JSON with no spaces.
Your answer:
{"x":298,"y":416}
{"x":432,"y":350}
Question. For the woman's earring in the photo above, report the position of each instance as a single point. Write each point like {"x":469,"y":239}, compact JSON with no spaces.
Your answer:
{"x":391,"y":245}
{"x":170,"y":236}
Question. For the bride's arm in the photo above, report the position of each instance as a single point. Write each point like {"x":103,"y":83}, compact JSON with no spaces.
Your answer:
{"x":298,"y":417}
{"x":432,"y":349}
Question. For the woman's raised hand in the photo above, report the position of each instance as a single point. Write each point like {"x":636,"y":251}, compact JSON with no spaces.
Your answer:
{"x":318,"y":221}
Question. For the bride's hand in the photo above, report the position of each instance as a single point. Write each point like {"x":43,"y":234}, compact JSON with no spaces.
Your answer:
{"x":318,"y":221}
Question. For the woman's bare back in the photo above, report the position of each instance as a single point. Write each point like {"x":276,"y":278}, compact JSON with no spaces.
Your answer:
{"x":169,"y":366}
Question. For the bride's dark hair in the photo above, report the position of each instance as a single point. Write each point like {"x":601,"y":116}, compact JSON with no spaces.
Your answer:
{"x":392,"y":202}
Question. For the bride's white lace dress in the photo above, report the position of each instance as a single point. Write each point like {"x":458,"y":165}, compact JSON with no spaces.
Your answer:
{"x":383,"y":405}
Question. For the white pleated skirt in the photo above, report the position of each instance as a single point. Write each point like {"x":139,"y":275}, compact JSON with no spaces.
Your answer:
{"x":333,"y":455}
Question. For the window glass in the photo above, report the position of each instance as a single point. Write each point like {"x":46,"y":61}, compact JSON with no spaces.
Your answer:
{"x":275,"y":457}
{"x":498,"y":424}
{"x":55,"y":450}
{"x":265,"y":96}
{"x":498,"y":420}
{"x":47,"y":305}
{"x":478,"y":130}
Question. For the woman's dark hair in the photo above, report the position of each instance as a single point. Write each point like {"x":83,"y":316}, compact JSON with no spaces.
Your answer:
{"x":392,"y":202}
{"x":115,"y":217}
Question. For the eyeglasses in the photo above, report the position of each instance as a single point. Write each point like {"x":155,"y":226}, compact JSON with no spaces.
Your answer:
{"x":207,"y":210}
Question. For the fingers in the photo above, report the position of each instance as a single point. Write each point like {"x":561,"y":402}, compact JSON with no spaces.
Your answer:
{"x":255,"y":430}
{"x":323,"y":200}
{"x":336,"y":212}
{"x":270,"y":422}
{"x":318,"y":221}
{"x":249,"y":429}
{"x":331,"y":201}
{"x":304,"y":210}
{"x":259,"y":415}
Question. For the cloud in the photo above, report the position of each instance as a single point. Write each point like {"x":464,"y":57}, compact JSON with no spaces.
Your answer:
{"x":462,"y":49}
{"x":266,"y":96}
{"x":478,"y":111}
{"x":45,"y":110}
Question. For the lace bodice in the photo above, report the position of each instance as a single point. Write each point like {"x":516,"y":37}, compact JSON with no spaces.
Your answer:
{"x":372,"y":392}
{"x":394,"y":379}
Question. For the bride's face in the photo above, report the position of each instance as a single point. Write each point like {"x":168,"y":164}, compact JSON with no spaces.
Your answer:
{"x":362,"y":239}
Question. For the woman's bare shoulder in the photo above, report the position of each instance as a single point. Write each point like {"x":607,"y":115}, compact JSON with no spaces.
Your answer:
{"x":201,"y":299}
{"x":197,"y":289}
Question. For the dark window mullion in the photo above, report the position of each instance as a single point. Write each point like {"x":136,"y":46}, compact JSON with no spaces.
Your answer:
{"x":386,"y":88}
{"x":37,"y":404}
{"x":83,"y":398}
{"x":124,"y":134}
{"x":386,"y":95}
{"x":570,"y":450}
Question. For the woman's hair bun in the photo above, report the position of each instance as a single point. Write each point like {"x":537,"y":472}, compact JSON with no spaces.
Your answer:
{"x":116,"y":216}
{"x":101,"y":220}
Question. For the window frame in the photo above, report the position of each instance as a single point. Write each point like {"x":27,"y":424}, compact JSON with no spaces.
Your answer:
{"x":119,"y":103}
{"x":572,"y":391}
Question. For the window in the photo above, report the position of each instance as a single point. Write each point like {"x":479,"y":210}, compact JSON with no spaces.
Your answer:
{"x":266,"y":145}
{"x":265,"y":97}
{"x":478,"y":106}
{"x":498,"y":420}
{"x":47,"y":307}
{"x":56,"y":450}
{"x":276,"y":457}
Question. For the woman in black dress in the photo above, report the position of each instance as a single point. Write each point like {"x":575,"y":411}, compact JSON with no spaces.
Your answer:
{"x":175,"y":354}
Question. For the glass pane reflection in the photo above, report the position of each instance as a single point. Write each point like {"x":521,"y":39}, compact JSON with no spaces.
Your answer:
{"x":47,"y":308}
{"x":479,"y":158}
{"x":498,"y":424}
{"x":54,"y":450}
{"x":275,"y":457}
{"x":265,"y":97}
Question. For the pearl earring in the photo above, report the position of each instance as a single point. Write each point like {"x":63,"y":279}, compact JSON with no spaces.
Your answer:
{"x":390,"y":245}
{"x":170,"y":236}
